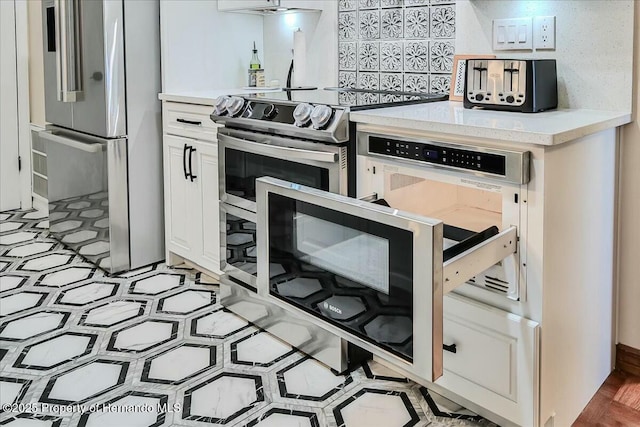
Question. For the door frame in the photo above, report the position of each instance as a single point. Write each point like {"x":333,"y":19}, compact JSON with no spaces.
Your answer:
{"x":24,"y":120}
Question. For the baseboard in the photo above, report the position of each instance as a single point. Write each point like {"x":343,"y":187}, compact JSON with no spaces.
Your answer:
{"x":628,"y":359}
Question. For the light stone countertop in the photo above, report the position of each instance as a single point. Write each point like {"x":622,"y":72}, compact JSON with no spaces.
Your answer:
{"x":208,"y":97}
{"x":449,"y":117}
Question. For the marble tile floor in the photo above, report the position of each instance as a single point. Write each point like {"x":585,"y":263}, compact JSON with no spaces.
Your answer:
{"x":153,"y":347}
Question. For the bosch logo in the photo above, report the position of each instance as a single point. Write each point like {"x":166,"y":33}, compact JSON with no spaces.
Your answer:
{"x":332,"y":308}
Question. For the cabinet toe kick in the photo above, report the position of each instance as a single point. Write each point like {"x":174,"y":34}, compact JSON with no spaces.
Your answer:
{"x":477,"y":259}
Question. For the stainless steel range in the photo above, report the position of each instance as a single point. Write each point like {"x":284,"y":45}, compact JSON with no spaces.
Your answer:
{"x":303,"y":137}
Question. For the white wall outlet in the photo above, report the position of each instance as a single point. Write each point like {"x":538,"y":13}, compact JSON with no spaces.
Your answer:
{"x":544,"y":32}
{"x":512,"y":34}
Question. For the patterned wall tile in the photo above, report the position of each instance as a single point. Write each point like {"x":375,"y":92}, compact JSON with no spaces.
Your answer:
{"x":391,"y":24}
{"x":416,"y":23}
{"x":441,"y":56}
{"x":369,"y":4}
{"x":347,"y":25}
{"x":390,"y":3}
{"x":391,"y":56}
{"x":368,"y":81}
{"x":347,"y":79}
{"x":391,"y":81}
{"x":347,"y":58}
{"x":416,"y":82}
{"x":368,"y":56}
{"x":395,"y":44}
{"x":416,"y":56}
{"x":369,"y":24}
{"x":443,"y":21}
{"x":439,"y":83}
{"x":347,"y":5}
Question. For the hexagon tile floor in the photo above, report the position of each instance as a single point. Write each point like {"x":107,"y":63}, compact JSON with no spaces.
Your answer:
{"x":153,"y":347}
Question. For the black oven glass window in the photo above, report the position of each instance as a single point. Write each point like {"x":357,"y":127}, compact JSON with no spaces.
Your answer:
{"x":352,"y":272}
{"x":241,"y":244}
{"x":242,"y":169}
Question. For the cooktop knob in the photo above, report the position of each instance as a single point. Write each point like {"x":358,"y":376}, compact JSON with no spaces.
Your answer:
{"x":320,"y":116}
{"x":302,"y":114}
{"x":220,"y":106}
{"x":510,"y":99}
{"x":234,"y":105}
{"x":269,"y":112}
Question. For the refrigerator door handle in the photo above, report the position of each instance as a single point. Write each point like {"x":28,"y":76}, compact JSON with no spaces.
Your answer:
{"x":89,"y":147}
{"x":68,"y":54}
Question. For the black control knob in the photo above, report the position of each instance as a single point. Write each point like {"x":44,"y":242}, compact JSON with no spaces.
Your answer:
{"x":510,"y":99}
{"x":479,"y":97}
{"x":269,"y":112}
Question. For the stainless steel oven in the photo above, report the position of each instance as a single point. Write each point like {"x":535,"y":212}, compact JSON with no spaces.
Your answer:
{"x":374,"y":273}
{"x":244,"y":156}
{"x":302,"y":137}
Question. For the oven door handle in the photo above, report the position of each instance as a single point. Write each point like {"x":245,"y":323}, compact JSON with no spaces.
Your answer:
{"x":277,"y":150}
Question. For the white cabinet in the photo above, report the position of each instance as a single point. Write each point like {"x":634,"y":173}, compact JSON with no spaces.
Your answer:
{"x":491,"y":358}
{"x":229,"y":5}
{"x":191,"y":187}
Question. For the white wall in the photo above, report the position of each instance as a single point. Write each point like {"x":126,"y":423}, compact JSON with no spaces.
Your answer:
{"x":321,"y":35}
{"x":205,"y":49}
{"x":594,"y":45}
{"x":629,"y":222}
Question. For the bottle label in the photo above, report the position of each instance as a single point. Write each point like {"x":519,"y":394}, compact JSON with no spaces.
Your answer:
{"x":253,"y":77}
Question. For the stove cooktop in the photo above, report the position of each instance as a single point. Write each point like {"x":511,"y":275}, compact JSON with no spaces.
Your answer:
{"x":320,"y":114}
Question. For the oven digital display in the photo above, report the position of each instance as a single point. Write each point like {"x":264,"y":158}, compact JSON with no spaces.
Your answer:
{"x":440,"y":155}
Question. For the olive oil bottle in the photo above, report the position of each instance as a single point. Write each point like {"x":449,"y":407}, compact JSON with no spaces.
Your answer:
{"x":256,"y":72}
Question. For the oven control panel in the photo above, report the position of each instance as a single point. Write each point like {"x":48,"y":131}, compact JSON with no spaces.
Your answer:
{"x":444,"y":155}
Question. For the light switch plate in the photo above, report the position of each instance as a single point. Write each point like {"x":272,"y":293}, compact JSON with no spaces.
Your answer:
{"x":513,"y":34}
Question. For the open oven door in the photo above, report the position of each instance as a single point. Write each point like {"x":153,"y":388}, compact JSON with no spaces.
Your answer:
{"x":368,"y":273}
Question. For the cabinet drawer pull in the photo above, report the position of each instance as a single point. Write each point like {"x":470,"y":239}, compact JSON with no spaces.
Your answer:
{"x":451,"y":348}
{"x":190,"y":122}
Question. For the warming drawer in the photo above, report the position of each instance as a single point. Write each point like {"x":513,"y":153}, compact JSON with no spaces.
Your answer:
{"x":368,"y":273}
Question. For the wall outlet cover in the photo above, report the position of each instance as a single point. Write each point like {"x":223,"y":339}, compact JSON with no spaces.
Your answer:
{"x":544,"y":32}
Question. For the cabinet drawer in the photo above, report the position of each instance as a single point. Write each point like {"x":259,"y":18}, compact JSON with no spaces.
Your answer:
{"x":189,"y":120}
{"x":495,"y":363}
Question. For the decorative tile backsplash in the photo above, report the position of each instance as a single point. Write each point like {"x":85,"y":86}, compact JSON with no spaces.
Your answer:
{"x":396,"y":45}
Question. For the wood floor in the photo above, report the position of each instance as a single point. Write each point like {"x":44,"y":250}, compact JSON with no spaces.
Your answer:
{"x":617,"y":403}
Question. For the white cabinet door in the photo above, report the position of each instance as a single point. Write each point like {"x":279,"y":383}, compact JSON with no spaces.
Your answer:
{"x":246,"y":4}
{"x":209,"y":238}
{"x":182,"y":204}
{"x":495,"y":359}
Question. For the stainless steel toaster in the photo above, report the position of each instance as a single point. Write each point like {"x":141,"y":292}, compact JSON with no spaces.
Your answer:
{"x":524,"y":85}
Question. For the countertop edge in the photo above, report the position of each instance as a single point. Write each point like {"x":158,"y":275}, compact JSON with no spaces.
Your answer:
{"x":623,"y":119}
{"x":509,"y":135}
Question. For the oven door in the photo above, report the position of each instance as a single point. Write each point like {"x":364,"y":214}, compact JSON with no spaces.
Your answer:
{"x":368,"y":273}
{"x":244,"y":156}
{"x":238,"y":245}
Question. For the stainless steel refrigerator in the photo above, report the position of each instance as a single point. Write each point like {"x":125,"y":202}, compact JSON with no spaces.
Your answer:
{"x":104,"y":143}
